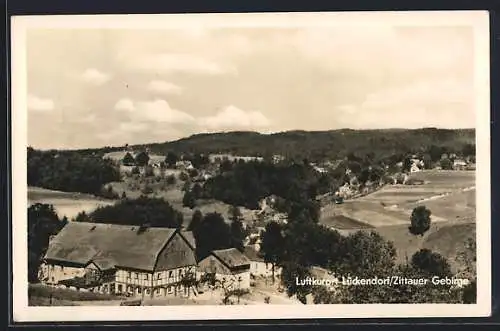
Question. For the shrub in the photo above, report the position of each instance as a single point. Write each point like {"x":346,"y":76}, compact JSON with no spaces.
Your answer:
{"x":420,"y":220}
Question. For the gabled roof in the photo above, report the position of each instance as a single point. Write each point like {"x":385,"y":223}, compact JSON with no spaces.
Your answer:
{"x":109,"y":245}
{"x":252,"y":254}
{"x":231,"y":257}
{"x":189,"y":237}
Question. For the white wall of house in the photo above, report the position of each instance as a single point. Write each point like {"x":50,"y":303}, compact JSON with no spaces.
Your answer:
{"x":135,"y":282}
{"x":53,"y":273}
{"x":260,"y":268}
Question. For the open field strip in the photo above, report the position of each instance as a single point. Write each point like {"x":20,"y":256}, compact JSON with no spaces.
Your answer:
{"x":67,"y":204}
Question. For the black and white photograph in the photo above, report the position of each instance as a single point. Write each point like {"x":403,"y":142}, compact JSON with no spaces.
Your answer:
{"x":217,"y":166}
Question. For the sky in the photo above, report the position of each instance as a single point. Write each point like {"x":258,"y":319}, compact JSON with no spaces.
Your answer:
{"x":110,"y":87}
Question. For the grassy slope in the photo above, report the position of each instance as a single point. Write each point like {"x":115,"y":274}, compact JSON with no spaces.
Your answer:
{"x":39,"y":294}
{"x":447,"y":239}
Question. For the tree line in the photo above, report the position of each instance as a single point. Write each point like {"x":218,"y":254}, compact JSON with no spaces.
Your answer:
{"x":70,"y":171}
{"x":320,"y":145}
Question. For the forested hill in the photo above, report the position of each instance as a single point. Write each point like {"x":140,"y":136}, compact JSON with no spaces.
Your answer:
{"x":320,"y":144}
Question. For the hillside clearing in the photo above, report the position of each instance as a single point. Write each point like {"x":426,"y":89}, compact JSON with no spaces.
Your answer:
{"x":67,"y":204}
{"x":447,"y":239}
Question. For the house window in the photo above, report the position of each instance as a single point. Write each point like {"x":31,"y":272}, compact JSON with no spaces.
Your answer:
{"x":139,"y":290}
{"x":159,"y":275}
{"x":170,"y":290}
{"x":136,"y":274}
{"x":129,"y":274}
{"x":147,"y":291}
{"x":146,"y":277}
{"x":120,"y":288}
{"x":170,"y":274}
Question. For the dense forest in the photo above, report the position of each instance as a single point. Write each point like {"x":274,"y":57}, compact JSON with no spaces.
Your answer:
{"x":142,"y":211}
{"x":319,"y":145}
{"x":246,"y":183}
{"x":70,"y":171}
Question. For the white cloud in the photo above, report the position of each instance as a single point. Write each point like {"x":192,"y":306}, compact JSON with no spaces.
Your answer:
{"x":160,"y":111}
{"x":234,"y":118}
{"x":448,"y":102}
{"x":160,"y":86}
{"x":125,"y":105}
{"x":176,"y":62}
{"x":153,"y":111}
{"x":94,"y":76}
{"x":383,"y":52}
{"x":39,"y":104}
{"x":88,"y":118}
{"x":133,"y":127}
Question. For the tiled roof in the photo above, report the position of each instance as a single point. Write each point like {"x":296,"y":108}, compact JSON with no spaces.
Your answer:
{"x":109,"y":245}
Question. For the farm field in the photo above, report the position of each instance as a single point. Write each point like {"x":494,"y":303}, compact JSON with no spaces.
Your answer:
{"x":450,"y":195}
{"x":447,"y":239}
{"x":66,"y":203}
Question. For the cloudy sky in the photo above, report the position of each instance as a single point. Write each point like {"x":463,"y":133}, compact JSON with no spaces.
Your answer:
{"x":91,"y":88}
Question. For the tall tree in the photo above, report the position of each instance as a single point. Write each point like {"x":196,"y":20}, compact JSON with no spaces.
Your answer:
{"x":171,"y":159}
{"x":213,"y":233}
{"x":446,"y":164}
{"x":364,"y":253}
{"x":273,"y":244}
{"x":238,"y":233}
{"x":197,"y":191}
{"x":196,"y":220}
{"x":407,"y":164}
{"x":43,"y":222}
{"x":420,"y":220}
{"x":292,"y":271}
{"x":128,"y":160}
{"x":142,"y":159}
{"x":188,"y":200}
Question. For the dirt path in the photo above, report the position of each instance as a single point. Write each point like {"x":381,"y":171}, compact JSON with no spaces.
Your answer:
{"x":439,"y":196}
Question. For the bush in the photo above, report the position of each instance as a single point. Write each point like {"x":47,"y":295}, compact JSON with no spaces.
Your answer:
{"x":432,"y":263}
{"x":147,"y":189}
{"x":171,"y":180}
{"x":154,"y":211}
{"x":183,"y":176}
{"x":109,"y":193}
{"x":420,"y":220}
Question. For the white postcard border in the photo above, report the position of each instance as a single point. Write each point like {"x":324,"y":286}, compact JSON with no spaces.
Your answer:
{"x":479,"y":20}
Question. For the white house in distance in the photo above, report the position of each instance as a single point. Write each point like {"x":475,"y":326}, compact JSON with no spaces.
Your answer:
{"x":459,"y":164}
{"x":229,"y":266}
{"x":259,"y":268}
{"x":120,"y":259}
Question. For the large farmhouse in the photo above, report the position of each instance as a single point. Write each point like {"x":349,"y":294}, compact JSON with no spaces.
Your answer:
{"x":120,"y":259}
